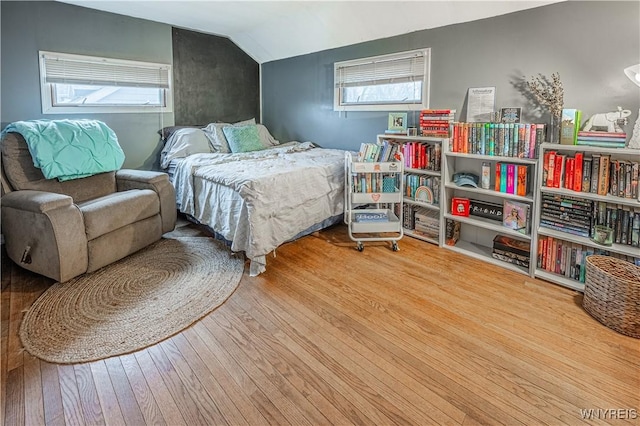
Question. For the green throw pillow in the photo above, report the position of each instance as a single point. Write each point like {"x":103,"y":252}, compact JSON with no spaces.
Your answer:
{"x":243,"y":138}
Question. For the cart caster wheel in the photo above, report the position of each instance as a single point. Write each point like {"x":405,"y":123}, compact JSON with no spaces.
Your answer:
{"x":395,"y":247}
{"x":360,"y":247}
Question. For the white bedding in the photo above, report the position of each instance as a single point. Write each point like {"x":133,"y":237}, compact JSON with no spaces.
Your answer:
{"x":261,"y":199}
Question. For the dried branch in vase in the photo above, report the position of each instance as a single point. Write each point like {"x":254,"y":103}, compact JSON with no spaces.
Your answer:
{"x":548,"y":92}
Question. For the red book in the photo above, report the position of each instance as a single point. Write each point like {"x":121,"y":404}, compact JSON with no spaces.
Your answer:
{"x":577,"y":174}
{"x":569,"y":171}
{"x":460,"y":206}
{"x":551,"y":168}
{"x":558,"y":171}
{"x":497,"y":187}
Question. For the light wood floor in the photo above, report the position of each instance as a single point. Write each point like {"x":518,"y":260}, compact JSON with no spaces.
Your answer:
{"x":329,"y":335}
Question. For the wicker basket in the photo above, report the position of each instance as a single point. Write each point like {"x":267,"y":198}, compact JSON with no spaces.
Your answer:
{"x":612,"y":294}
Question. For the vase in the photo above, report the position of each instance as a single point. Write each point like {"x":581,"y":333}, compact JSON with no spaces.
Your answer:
{"x":553,"y":134}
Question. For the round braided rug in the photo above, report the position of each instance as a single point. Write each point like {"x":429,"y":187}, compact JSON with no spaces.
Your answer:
{"x":133,"y":303}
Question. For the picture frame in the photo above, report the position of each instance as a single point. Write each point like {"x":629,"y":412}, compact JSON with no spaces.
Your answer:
{"x":510,"y":114}
{"x":397,"y":122}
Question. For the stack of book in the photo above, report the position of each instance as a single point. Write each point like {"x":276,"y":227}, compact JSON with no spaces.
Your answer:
{"x":567,"y":214}
{"x":624,"y":220}
{"x":511,"y":250}
{"x":436,"y":122}
{"x":497,"y":139}
{"x":427,"y":223}
{"x":512,"y":178}
{"x":377,"y":152}
{"x":425,"y":156}
{"x":604,"y":139}
{"x":598,"y":174}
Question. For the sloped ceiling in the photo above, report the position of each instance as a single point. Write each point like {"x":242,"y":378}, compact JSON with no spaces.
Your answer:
{"x":272,"y":30}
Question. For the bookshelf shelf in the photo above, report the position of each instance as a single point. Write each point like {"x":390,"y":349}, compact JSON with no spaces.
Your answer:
{"x":478,"y":234}
{"x":425,"y":152}
{"x":490,"y":192}
{"x":413,"y":234}
{"x":589,"y":196}
{"x":624,"y":249}
{"x":496,"y":158}
{"x":487,"y":224}
{"x":583,"y":210}
{"x":560,"y":279}
{"x":483,"y":253}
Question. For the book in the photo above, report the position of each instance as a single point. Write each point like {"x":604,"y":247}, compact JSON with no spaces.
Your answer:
{"x":569,"y":126}
{"x":603,"y":175}
{"x":523,"y":180}
{"x":371,"y":217}
{"x":621,"y":135}
{"x":517,"y":216}
{"x":578,"y":170}
{"x":511,"y":179}
{"x":511,"y":245}
{"x":586,"y":175}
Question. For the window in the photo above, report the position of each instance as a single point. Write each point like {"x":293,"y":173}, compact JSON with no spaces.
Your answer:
{"x":397,"y":82}
{"x":88,"y":84}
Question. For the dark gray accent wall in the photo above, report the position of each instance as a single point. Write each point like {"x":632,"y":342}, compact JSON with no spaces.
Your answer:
{"x":29,"y":26}
{"x":588,"y":42}
{"x":214,"y":80}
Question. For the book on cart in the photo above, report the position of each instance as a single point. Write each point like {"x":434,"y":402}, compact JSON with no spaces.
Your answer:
{"x":371,"y":217}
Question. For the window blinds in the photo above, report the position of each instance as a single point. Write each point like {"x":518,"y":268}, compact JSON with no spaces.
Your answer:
{"x":381,"y":70}
{"x":76,"y":69}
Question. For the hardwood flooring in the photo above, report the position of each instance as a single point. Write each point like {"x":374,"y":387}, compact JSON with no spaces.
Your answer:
{"x":329,"y":335}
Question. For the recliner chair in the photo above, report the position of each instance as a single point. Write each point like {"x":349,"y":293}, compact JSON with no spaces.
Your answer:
{"x":64,"y":229}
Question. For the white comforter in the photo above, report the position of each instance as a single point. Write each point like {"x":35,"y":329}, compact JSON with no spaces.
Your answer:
{"x":259,"y":200}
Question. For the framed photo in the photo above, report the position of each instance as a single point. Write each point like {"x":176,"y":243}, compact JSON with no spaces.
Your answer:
{"x":398,"y":122}
{"x":510,"y":115}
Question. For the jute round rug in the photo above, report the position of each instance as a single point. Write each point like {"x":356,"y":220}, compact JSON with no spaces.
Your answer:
{"x":133,"y":303}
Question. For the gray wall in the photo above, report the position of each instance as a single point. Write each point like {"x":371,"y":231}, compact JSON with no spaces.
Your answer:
{"x":588,"y":43}
{"x":214,"y":80}
{"x":28,"y":27}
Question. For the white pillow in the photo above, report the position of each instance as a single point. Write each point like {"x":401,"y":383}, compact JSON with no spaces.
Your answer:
{"x":265,"y":137}
{"x":182,"y":143}
{"x":218,"y":141}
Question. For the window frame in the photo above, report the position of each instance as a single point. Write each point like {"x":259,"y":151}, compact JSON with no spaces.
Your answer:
{"x":338,"y":105}
{"x":47,"y":89}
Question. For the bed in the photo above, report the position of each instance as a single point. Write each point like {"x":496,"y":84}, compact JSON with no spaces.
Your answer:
{"x":254,"y":199}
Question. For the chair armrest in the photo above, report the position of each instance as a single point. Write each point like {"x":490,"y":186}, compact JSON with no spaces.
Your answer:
{"x":127,"y":179}
{"x":36,"y":201}
{"x":45,"y":233}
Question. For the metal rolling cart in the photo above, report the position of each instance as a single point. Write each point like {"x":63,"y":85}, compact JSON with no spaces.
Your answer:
{"x":373,"y":200}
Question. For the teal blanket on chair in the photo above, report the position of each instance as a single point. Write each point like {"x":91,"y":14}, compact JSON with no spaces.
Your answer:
{"x":70,"y":149}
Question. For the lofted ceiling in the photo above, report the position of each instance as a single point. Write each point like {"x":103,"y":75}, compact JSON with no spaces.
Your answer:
{"x":271,"y":30}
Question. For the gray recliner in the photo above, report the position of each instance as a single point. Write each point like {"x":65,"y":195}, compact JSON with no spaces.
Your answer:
{"x":64,"y":229}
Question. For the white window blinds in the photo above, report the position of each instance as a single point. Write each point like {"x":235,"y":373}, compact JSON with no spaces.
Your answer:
{"x":76,"y":69}
{"x":387,"y":69}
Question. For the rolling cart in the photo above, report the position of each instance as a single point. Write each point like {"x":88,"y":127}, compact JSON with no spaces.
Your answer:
{"x":373,"y":200}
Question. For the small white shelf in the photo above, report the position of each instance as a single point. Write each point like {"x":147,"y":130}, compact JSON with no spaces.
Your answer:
{"x":423,"y":172}
{"x":406,"y":138}
{"x":622,"y":152}
{"x":516,"y":160}
{"x":375,"y":197}
{"x":488,"y":224}
{"x":527,"y":198}
{"x":391,"y":225}
{"x":484,"y":253}
{"x":559,"y":279}
{"x":411,"y":233}
{"x":371,"y":167}
{"x":590,"y":196}
{"x":408,"y":200}
{"x":565,"y":236}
